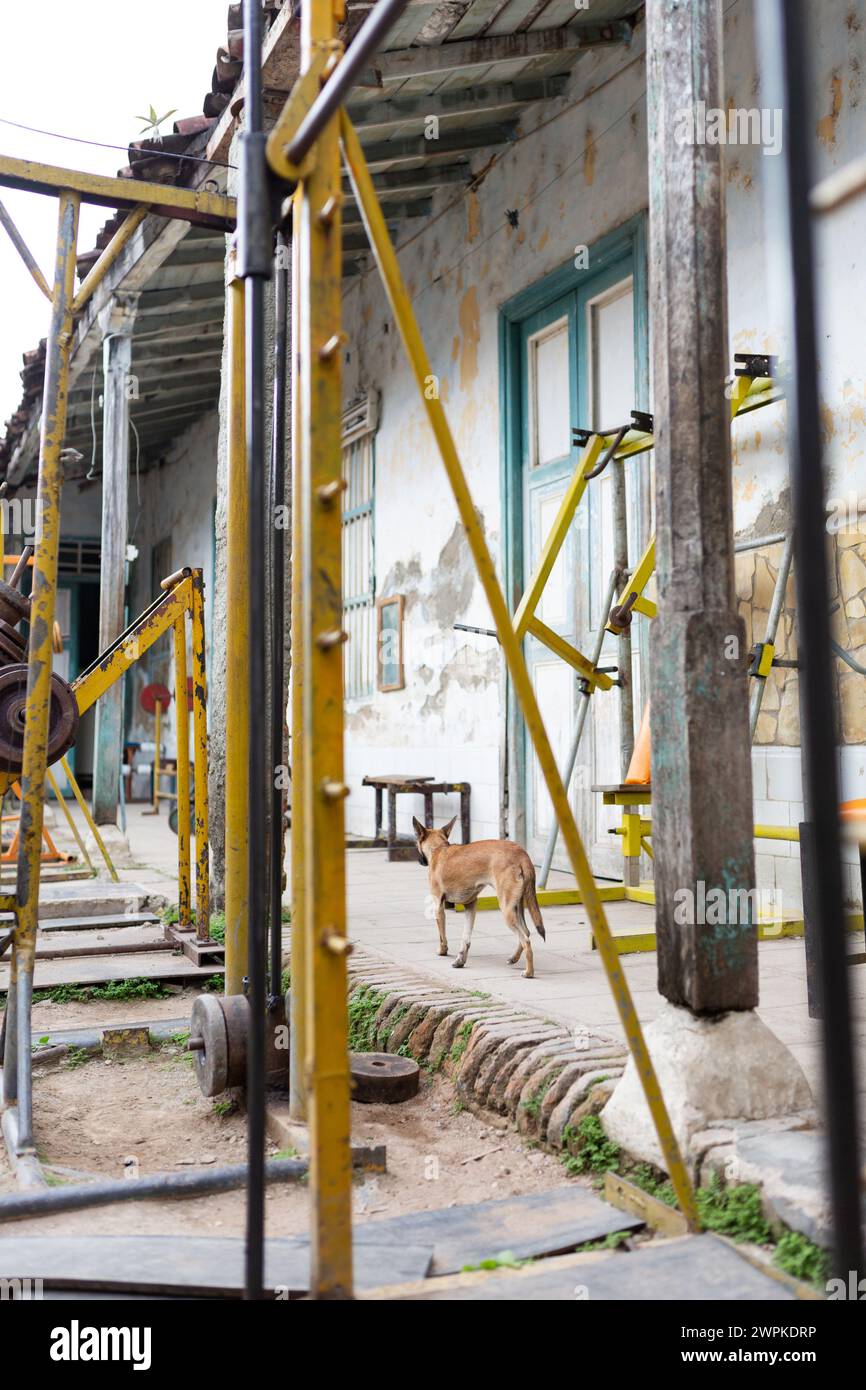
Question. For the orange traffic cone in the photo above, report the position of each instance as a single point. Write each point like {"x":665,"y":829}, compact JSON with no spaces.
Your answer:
{"x":638,"y":774}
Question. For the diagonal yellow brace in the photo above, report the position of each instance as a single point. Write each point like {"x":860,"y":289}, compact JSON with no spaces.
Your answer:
{"x":642,"y":575}
{"x":556,"y":538}
{"x":582,"y":665}
{"x":380,"y":241}
{"x":119,"y":242}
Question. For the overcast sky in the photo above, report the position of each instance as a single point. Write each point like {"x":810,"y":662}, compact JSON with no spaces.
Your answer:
{"x":85,"y":69}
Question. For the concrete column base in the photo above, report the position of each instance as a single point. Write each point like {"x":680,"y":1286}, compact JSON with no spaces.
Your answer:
{"x":115,"y":842}
{"x":721,"y":1068}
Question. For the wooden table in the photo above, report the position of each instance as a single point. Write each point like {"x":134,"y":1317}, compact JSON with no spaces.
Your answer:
{"x":399,"y":783}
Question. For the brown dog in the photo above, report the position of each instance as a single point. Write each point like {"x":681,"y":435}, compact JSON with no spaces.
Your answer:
{"x":457,"y":874}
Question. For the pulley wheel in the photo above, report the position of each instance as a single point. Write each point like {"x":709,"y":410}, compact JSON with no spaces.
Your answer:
{"x":13,"y":604}
{"x":62,"y":721}
{"x":383,"y":1078}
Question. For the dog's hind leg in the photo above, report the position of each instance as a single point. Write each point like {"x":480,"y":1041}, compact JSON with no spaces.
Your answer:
{"x":469,"y":914}
{"x":514,"y":919}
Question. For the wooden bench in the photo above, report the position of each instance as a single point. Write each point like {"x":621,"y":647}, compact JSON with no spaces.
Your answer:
{"x":398,"y":784}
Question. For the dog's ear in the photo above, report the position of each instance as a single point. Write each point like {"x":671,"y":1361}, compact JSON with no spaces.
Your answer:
{"x":446,"y":829}
{"x":420,"y":830}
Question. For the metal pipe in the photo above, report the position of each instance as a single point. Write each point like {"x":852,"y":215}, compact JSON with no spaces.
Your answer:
{"x":24,"y":251}
{"x":40,"y":657}
{"x":367,"y":41}
{"x":51,"y":1201}
{"x":254,"y":265}
{"x":278,"y":614}
{"x":237,"y":655}
{"x":98,"y":271}
{"x":776,"y":604}
{"x":624,"y":658}
{"x":758,"y":542}
{"x":70,"y":820}
{"x":199,"y":738}
{"x":783,"y":34}
{"x":298,"y":1091}
{"x":91,"y":823}
{"x":586,"y":693}
{"x":181,"y":704}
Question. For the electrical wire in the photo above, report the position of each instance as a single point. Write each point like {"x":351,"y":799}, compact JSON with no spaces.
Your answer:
{"x":104,"y":145}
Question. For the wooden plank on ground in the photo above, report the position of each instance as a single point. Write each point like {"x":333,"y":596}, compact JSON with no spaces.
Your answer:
{"x":540,"y":1223}
{"x":109,"y":941}
{"x":98,"y":970}
{"x":692,"y":1269}
{"x":204,"y":1265}
{"x":100,"y":920}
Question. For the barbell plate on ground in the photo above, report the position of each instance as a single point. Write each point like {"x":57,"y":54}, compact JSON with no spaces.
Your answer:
{"x":207,"y":1025}
{"x":380,"y":1078}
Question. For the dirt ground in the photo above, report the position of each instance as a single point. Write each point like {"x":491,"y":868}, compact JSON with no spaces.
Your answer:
{"x":95,"y":1116}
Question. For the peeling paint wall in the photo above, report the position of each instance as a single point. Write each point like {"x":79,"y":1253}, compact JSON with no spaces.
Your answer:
{"x":578,"y":172}
{"x":177,"y":501}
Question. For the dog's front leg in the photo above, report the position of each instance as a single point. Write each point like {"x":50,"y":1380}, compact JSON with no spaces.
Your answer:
{"x":440,"y":922}
{"x":469,"y":923}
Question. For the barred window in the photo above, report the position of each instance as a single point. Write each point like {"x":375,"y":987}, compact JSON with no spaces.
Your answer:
{"x":359,"y":574}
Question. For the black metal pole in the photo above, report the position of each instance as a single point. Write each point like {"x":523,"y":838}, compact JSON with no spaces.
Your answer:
{"x":278,"y":611}
{"x":254,"y":265}
{"x":784,"y":46}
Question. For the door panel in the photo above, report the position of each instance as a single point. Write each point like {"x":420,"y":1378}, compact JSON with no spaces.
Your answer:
{"x":577,"y":368}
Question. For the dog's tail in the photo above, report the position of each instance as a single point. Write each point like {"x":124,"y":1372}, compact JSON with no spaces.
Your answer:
{"x":532,"y":907}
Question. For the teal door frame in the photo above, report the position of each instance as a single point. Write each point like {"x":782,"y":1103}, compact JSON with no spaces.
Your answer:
{"x":620,"y":253}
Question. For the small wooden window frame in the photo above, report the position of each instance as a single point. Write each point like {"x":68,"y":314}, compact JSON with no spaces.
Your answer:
{"x":389,"y":601}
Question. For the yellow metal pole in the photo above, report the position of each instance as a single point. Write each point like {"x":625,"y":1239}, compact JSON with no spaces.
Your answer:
{"x":97,"y":273}
{"x":37,"y":710}
{"x":70,"y":820}
{"x":184,"y":897}
{"x":379,"y":239}
{"x":199,"y":735}
{"x":237,"y":876}
{"x":298,"y":1100}
{"x":319,"y":229}
{"x":91,"y":823}
{"x":24,"y":252}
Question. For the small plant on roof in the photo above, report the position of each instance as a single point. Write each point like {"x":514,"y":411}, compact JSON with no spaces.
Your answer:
{"x":152,"y":122}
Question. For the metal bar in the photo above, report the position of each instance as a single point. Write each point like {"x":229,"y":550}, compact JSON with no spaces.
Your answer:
{"x":91,"y":823}
{"x":97,"y":273}
{"x":39,"y":664}
{"x":51,"y":1201}
{"x":401,"y":306}
{"x":586,"y":696}
{"x":298,"y":1095}
{"x":321,"y":353}
{"x":254,"y":265}
{"x":132,"y":644}
{"x":784,"y":35}
{"x":199,"y":739}
{"x":70,"y":820}
{"x":278,"y":614}
{"x":776,"y":604}
{"x":624,"y":657}
{"x":839,"y":188}
{"x":183,"y":808}
{"x":758,"y":542}
{"x":24,"y":251}
{"x":237,"y":654}
{"x":367,"y":41}
{"x":167,"y":200}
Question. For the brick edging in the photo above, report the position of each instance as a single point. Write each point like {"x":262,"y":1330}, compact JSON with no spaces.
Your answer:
{"x":504,"y":1062}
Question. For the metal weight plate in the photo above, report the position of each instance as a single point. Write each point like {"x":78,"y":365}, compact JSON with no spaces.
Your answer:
{"x":380,"y":1078}
{"x":151,"y":694}
{"x":63,"y":717}
{"x":236,"y":1013}
{"x":12,"y":644}
{"x":209,"y":1044}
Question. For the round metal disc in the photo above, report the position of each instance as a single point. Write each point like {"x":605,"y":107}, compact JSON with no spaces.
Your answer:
{"x":151,"y":694}
{"x":12,"y":644}
{"x":236,"y":1013}
{"x":63,"y":717}
{"x":380,"y":1078}
{"x":207,"y":1024}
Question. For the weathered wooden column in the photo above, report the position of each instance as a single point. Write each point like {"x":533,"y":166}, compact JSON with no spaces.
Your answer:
{"x":701,"y":764}
{"x":116,"y":362}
